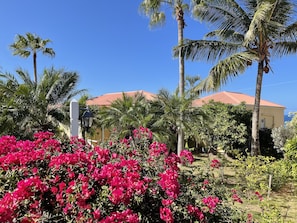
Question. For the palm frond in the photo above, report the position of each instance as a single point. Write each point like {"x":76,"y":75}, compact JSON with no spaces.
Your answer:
{"x":284,"y":48}
{"x":263,"y":12}
{"x":230,"y":67}
{"x":283,"y":11}
{"x":9,"y":77}
{"x":223,"y":14}
{"x":152,"y":9}
{"x":289,"y":33}
{"x":207,"y":50}
{"x":228,"y":35}
{"x":49,"y":51}
{"x":25,"y":77}
{"x":61,"y":86}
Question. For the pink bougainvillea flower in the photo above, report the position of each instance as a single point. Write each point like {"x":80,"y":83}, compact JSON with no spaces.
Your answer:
{"x":142,"y":132}
{"x":215,"y":163}
{"x":192,"y":210}
{"x":97,"y":214}
{"x":169,"y":183}
{"x":249,"y":218}
{"x":126,"y":216}
{"x":259,"y":195}
{"x":211,"y":202}
{"x":186,"y":157}
{"x":167,"y":202}
{"x":157,"y":149}
{"x":236,"y":198}
{"x":82,"y":183}
{"x":166,"y":215}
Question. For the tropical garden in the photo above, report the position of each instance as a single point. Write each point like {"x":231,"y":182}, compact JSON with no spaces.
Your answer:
{"x":164,"y":160}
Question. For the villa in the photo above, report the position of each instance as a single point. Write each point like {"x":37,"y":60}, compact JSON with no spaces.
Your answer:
{"x":271,"y":114}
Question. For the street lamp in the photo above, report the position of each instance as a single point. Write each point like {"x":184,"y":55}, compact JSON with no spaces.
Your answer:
{"x":86,"y":121}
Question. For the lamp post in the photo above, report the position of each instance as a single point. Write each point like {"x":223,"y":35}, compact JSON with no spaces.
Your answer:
{"x":86,"y":121}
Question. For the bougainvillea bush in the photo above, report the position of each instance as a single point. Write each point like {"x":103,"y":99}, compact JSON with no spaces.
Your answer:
{"x":128,"y":180}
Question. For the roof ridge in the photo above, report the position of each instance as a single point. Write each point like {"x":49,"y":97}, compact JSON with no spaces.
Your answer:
{"x":229,"y":94}
{"x":120,"y":92}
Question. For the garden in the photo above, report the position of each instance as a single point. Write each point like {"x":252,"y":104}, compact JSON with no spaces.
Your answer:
{"x":164,"y":160}
{"x":137,"y":180}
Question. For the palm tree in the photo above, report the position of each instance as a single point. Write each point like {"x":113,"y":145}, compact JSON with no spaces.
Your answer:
{"x":39,"y":106}
{"x":126,"y":114}
{"x":254,"y":31}
{"x":29,"y":44}
{"x":166,"y":110}
{"x":153,"y":9}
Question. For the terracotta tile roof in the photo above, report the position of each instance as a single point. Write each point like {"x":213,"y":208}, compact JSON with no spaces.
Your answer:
{"x":233,"y":98}
{"x":107,"y":99}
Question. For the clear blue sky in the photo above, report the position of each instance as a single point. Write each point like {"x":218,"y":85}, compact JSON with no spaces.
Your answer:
{"x":111,"y":46}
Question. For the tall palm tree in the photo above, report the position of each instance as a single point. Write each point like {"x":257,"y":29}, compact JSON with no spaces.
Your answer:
{"x":153,"y":9}
{"x":252,"y":32}
{"x":39,"y":106}
{"x":29,"y":44}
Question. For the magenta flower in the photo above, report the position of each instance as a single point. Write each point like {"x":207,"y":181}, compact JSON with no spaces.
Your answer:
{"x":211,"y":202}
{"x":215,"y":163}
{"x":166,"y":215}
{"x":196,"y":212}
{"x":186,"y":157}
{"x":169,"y":183}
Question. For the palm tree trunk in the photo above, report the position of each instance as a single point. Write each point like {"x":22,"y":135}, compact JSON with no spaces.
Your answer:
{"x":181,"y":23}
{"x":255,"y":147}
{"x":35,"y":66}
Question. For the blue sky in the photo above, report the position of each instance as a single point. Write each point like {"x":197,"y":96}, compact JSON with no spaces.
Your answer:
{"x":111,"y":46}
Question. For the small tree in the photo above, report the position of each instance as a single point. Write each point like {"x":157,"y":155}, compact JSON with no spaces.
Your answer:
{"x":222,"y":128}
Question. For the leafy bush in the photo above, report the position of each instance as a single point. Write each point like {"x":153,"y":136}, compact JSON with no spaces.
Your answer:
{"x":252,"y":173}
{"x":127,"y":180}
{"x":291,"y":157}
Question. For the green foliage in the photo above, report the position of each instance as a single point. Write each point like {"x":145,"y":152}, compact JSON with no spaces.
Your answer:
{"x":225,"y":126}
{"x":271,"y":213}
{"x":30,"y":106}
{"x":161,"y":115}
{"x":126,"y":114}
{"x":243,"y":32}
{"x":291,"y":149}
{"x":252,"y":174}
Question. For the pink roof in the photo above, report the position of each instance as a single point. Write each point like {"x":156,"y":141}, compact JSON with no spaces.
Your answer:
{"x":107,"y":99}
{"x":232,"y":98}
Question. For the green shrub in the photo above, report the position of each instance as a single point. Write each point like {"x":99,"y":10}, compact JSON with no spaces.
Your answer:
{"x":252,"y":174}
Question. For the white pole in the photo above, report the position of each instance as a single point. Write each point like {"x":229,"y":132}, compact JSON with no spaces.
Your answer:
{"x":269,"y":185}
{"x":74,"y":110}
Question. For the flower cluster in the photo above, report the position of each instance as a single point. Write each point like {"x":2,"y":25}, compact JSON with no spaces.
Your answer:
{"x":142,"y":132}
{"x":235,"y":196}
{"x":215,"y":163}
{"x":211,"y":202}
{"x":123,"y":181}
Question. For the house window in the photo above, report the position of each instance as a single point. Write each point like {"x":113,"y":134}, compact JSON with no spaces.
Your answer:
{"x":262,"y":124}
